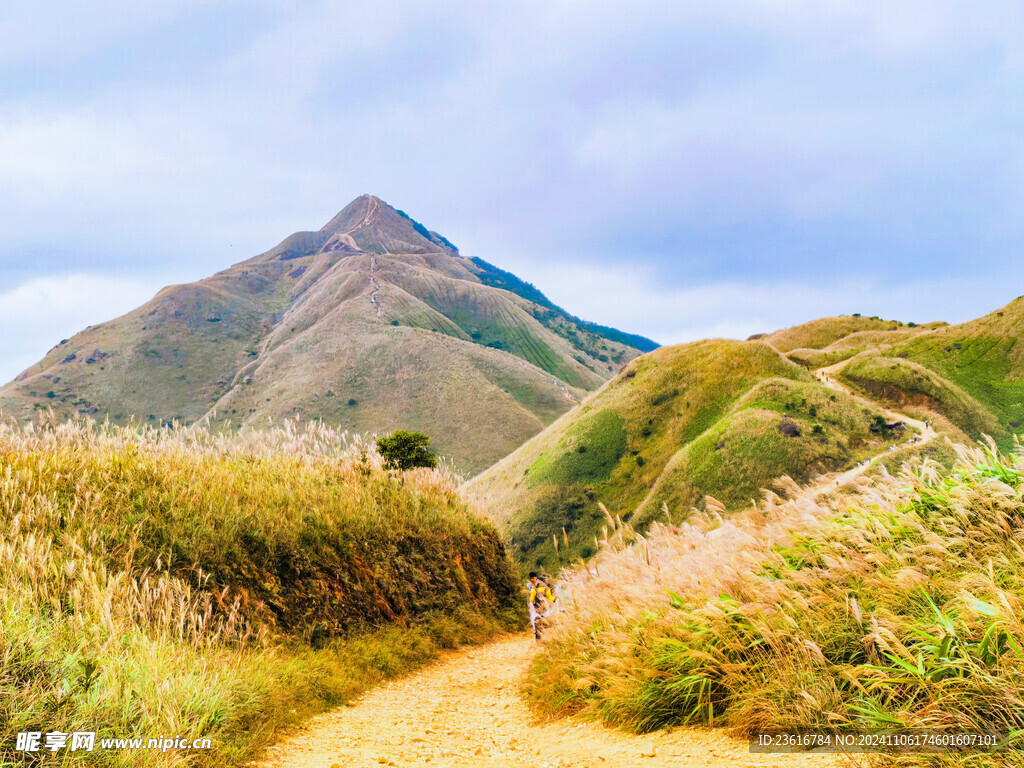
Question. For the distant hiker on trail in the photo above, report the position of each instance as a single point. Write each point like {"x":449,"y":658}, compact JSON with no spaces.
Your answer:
{"x":541,"y":603}
{"x":540,"y":590}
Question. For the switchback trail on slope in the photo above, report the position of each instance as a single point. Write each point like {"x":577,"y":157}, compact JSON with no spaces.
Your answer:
{"x":466,"y":711}
{"x":926,"y":433}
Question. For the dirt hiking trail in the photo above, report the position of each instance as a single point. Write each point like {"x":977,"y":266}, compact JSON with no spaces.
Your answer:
{"x":925,"y":433}
{"x":465,"y":710}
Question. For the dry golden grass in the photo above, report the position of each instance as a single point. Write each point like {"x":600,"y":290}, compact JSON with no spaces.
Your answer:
{"x":897,"y":605}
{"x":159,"y":582}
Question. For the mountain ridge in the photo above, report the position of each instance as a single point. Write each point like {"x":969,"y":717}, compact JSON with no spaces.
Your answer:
{"x":372,"y":322}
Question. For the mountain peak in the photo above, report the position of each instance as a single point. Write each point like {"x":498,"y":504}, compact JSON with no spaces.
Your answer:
{"x":373,"y":225}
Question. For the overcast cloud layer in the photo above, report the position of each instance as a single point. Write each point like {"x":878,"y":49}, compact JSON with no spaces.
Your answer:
{"x":677,"y":169}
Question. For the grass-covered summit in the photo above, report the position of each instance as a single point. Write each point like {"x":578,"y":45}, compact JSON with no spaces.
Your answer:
{"x":372,"y":323}
{"x":157,"y":582}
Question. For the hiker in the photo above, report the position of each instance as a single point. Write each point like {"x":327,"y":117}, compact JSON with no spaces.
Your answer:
{"x":540,"y":590}
{"x":541,"y":603}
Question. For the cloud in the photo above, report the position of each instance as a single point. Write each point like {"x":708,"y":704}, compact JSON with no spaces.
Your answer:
{"x":636,"y":299}
{"x":72,"y":31}
{"x":38,"y":313}
{"x":766,"y":144}
{"x":59,"y":155}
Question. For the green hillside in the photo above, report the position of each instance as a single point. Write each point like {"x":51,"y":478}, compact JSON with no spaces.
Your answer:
{"x":726,"y":419}
{"x":156,"y":582}
{"x":372,"y":323}
{"x":985,"y":358}
{"x":971,"y":373}
{"x":819,"y":333}
{"x":906,"y":383}
{"x":717,"y":418}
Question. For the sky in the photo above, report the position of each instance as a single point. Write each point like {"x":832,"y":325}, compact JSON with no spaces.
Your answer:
{"x":679,"y":169}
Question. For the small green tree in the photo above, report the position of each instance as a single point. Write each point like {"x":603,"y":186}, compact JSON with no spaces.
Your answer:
{"x":405,"y":450}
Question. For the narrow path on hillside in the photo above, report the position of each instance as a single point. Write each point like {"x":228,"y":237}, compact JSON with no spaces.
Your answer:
{"x":376,"y":287}
{"x":466,"y":711}
{"x":565,"y":391}
{"x":925,"y":433}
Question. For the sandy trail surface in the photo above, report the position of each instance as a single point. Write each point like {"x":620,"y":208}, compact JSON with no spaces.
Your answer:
{"x":466,"y":710}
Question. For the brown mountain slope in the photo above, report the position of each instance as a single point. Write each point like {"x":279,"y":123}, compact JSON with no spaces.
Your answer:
{"x":372,"y":323}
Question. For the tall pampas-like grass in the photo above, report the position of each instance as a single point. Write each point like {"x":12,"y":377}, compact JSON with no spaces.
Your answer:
{"x":177,"y":581}
{"x":894,"y":604}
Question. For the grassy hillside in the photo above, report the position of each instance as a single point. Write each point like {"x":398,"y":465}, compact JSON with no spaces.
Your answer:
{"x":819,"y":333}
{"x":718,"y":418}
{"x":906,"y":383}
{"x":725,"y":419}
{"x":156,"y":583}
{"x":853,"y":344}
{"x":984,"y":357}
{"x":971,"y":373}
{"x":897,"y":606}
{"x":749,"y":448}
{"x":372,"y":323}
